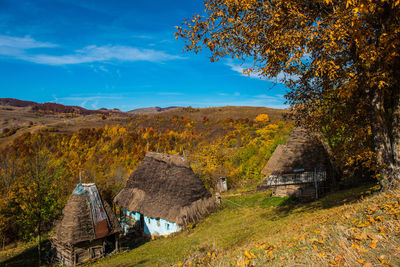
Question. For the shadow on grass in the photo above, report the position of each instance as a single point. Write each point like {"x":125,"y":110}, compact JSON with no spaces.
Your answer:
{"x":292,"y":205}
{"x":29,"y":257}
{"x":133,"y":240}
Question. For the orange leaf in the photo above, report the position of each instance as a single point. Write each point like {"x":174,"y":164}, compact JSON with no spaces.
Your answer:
{"x":373,"y":244}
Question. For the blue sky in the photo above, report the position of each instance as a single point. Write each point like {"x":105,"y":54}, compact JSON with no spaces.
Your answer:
{"x":116,"y":54}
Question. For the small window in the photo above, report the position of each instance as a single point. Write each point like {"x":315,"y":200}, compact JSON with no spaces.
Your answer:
{"x":148,"y":220}
{"x":167,"y":226}
{"x":158,"y":222}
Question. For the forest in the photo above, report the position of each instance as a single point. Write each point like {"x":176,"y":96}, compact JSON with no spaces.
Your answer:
{"x":39,"y":170}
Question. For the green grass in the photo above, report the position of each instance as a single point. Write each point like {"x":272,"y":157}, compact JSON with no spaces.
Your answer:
{"x":23,"y":254}
{"x":241,"y":221}
{"x":233,"y":224}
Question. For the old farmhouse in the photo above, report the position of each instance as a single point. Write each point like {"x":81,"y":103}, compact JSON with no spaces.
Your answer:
{"x":300,"y":168}
{"x":163,"y":195}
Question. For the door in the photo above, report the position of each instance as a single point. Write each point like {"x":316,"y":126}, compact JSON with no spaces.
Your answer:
{"x":141,"y":222}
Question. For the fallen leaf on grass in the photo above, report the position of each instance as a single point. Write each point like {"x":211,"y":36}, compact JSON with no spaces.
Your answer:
{"x":382,"y":260}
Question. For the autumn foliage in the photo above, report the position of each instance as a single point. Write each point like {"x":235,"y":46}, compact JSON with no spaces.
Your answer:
{"x":340,"y":60}
{"x":39,"y":171}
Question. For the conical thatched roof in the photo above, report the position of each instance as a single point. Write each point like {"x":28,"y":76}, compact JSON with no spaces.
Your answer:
{"x":86,"y":217}
{"x":303,"y":151}
{"x":164,"y":186}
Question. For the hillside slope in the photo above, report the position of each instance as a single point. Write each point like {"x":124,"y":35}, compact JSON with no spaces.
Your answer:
{"x":18,"y":117}
{"x":354,"y":227}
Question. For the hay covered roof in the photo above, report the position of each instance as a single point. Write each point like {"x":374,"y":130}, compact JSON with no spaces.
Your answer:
{"x":85,"y":217}
{"x":164,"y":186}
{"x":303,"y":151}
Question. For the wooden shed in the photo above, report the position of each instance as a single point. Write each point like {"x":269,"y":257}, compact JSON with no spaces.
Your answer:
{"x":88,"y":228}
{"x":300,"y":168}
{"x":162,"y":195}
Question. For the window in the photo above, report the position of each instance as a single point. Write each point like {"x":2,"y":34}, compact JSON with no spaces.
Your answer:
{"x":158,"y":222}
{"x":148,"y":220}
{"x":167,"y":226}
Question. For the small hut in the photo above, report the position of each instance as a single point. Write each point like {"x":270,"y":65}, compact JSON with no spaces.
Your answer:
{"x":300,"y":168}
{"x":88,"y":228}
{"x":163,"y":195}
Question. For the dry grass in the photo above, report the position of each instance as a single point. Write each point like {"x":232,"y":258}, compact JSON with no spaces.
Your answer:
{"x":222,"y":113}
{"x":20,"y":120}
{"x":361,"y":233}
{"x":356,"y":227}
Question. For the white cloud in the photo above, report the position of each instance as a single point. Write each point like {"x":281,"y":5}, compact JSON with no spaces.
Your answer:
{"x":94,"y":53}
{"x":95,"y":105}
{"x":235,"y":94}
{"x":18,"y":46}
{"x":271,"y":98}
{"x":88,"y":98}
{"x":239,"y":69}
{"x":21,"y":48}
{"x":88,"y":101}
{"x":22,"y":43}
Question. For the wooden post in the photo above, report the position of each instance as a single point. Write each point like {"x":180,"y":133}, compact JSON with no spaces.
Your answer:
{"x":315,"y":183}
{"x":39,"y":242}
{"x":116,"y":243}
{"x":73,"y":256}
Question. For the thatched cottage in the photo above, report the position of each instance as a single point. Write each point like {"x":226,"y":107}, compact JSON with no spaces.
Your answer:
{"x":300,"y":168}
{"x":163,"y":195}
{"x":88,"y":228}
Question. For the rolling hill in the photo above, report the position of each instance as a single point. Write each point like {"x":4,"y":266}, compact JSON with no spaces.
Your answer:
{"x":18,"y":117}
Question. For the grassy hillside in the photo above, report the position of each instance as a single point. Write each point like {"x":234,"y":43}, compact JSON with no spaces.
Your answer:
{"x":354,"y":227}
{"x":16,"y":121}
{"x":222,"y":113}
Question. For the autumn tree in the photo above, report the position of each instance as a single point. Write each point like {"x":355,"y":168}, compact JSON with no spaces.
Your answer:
{"x":35,"y":195}
{"x":340,"y":60}
{"x":262,"y":118}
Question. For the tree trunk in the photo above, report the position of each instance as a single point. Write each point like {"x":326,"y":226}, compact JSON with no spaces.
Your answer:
{"x":396,"y":132}
{"x":384,"y":139}
{"x":39,"y":240}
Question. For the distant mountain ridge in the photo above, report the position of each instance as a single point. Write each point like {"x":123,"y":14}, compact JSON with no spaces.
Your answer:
{"x":48,"y":107}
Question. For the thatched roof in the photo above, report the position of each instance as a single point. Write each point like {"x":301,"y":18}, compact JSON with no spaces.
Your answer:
{"x":85,"y":217}
{"x":303,"y":151}
{"x":164,"y":186}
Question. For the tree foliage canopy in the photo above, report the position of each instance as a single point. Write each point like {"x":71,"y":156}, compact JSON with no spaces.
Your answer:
{"x":340,"y":59}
